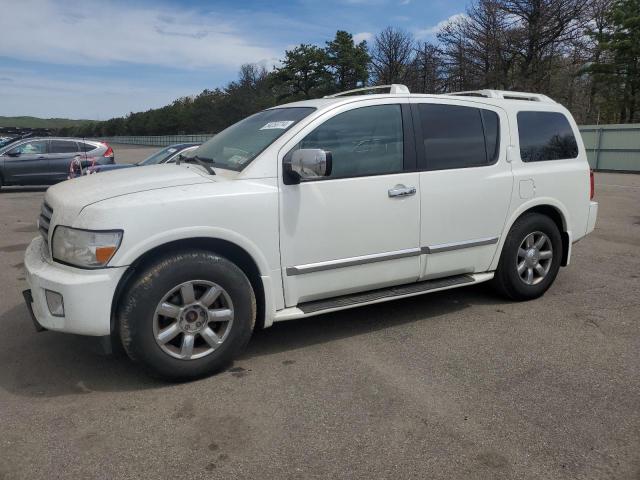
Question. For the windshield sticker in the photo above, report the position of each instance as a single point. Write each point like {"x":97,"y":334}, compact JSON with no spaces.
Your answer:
{"x":237,"y":159}
{"x":278,"y":125}
{"x":172,"y":150}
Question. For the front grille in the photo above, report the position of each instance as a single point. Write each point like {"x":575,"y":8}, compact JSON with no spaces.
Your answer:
{"x":44,"y":221}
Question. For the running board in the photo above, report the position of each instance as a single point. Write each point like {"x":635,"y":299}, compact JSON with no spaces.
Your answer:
{"x":376,"y":296}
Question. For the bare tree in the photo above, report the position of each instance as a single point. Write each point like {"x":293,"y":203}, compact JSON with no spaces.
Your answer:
{"x":544,"y":29}
{"x":428,"y":75}
{"x":391,"y":56}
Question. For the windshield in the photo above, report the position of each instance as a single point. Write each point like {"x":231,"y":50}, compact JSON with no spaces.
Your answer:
{"x":235,"y":147}
{"x":159,"y":156}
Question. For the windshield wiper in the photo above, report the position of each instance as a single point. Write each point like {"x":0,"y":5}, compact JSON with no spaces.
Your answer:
{"x":203,"y":162}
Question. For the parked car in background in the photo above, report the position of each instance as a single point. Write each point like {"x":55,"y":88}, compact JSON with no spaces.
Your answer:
{"x":310,"y":208}
{"x":45,"y":161}
{"x":166,"y":155}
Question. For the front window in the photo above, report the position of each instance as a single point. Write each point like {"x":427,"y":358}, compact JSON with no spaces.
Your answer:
{"x":235,"y":147}
{"x":30,"y":148}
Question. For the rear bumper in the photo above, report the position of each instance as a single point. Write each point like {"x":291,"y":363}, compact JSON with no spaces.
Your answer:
{"x":87,"y":294}
{"x":593,"y":215}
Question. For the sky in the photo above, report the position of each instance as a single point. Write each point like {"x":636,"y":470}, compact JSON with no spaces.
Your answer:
{"x":97,"y":59}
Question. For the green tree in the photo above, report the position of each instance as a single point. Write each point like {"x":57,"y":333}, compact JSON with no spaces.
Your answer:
{"x":347,"y":62}
{"x":617,"y":68}
{"x":303,"y":74}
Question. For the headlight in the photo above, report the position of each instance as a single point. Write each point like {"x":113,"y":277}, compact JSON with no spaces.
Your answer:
{"x":85,"y":248}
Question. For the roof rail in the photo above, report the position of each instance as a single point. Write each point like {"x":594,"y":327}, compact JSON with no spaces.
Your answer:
{"x":394,"y":89}
{"x":504,"y":95}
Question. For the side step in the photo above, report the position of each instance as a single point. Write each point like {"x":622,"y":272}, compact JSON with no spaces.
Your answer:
{"x":373,"y":295}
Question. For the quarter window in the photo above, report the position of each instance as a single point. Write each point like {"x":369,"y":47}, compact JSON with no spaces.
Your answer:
{"x":364,"y":141}
{"x":459,"y":137}
{"x":63,"y":146}
{"x":545,"y":136}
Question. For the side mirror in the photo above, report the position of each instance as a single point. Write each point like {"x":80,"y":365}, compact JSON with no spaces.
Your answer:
{"x":13,"y":154}
{"x":308,"y":163}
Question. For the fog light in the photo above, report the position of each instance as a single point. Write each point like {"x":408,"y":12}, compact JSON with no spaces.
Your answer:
{"x":55,"y":303}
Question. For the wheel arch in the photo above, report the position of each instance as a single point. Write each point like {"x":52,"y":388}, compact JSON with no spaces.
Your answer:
{"x":550,"y":208}
{"x":230,"y":250}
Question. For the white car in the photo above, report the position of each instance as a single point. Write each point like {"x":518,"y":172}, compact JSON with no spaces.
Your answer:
{"x":312,"y":207}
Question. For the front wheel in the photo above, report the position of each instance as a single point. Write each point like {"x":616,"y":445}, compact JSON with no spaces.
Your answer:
{"x":530,"y":258}
{"x":187,"y":315}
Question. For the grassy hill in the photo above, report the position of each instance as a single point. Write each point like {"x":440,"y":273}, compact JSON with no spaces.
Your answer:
{"x":35,"y":122}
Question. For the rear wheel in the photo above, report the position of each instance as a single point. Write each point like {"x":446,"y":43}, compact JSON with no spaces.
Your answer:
{"x":187,"y":315}
{"x":530,"y":258}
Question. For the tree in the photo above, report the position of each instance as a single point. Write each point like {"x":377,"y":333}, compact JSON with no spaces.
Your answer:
{"x":392,"y":56}
{"x":428,"y":74}
{"x":347,"y":62}
{"x":618,"y":66}
{"x":304,"y":73}
{"x":543,"y":29}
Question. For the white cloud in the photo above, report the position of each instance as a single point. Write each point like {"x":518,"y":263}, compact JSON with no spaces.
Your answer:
{"x":94,"y":32}
{"x":358,"y":37}
{"x":433,"y":30}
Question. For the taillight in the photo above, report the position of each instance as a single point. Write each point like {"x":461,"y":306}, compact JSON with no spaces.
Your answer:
{"x":109,"y":152}
{"x":592,"y":193}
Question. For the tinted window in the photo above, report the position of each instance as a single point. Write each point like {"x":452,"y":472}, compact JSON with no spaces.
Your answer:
{"x":31,"y":148}
{"x":363,"y":141}
{"x":86,"y":147}
{"x":545,"y":136}
{"x":63,"y":146}
{"x":458,"y":137}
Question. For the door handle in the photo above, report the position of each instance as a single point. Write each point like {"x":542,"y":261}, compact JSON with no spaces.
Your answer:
{"x":402,"y":191}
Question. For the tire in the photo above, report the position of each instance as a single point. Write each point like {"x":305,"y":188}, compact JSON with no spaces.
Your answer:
{"x":144,"y":327}
{"x":510,"y":279}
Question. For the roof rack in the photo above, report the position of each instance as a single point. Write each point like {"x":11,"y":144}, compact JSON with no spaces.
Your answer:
{"x":504,"y":95}
{"x":394,"y":89}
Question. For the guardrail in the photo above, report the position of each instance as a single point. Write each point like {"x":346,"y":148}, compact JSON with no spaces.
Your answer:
{"x":609,"y":147}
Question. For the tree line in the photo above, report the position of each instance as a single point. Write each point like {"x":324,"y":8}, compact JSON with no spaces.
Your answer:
{"x":584,"y":54}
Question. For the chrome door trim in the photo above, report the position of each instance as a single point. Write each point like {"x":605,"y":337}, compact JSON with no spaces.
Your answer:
{"x":447,"y":247}
{"x":352,"y":261}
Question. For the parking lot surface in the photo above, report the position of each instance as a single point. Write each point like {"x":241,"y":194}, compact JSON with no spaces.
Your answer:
{"x":457,"y":384}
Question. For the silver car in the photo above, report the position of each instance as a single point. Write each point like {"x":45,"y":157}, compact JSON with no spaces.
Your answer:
{"x":45,"y":161}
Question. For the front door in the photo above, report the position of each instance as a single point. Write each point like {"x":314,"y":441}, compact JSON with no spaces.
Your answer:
{"x":27,"y":163}
{"x":357,"y":229}
{"x":465,"y":182}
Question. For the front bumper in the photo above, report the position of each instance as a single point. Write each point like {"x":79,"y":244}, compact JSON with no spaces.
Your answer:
{"x":87,"y":294}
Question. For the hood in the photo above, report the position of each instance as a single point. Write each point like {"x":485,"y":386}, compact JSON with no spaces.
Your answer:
{"x":70,"y":197}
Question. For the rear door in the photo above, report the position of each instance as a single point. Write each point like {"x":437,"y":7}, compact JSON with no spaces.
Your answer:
{"x":27,"y":163}
{"x":465,"y":182}
{"x":61,"y":152}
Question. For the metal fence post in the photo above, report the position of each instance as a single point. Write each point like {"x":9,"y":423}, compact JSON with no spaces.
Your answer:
{"x":599,"y":143}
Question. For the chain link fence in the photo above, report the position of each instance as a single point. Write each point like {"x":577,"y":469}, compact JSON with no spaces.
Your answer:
{"x":158,"y":140}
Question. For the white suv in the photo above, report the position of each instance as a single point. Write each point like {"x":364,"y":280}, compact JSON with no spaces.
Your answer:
{"x":312,"y":207}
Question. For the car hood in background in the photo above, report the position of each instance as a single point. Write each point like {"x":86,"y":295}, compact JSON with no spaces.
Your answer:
{"x":69,"y":198}
{"x":112,"y":166}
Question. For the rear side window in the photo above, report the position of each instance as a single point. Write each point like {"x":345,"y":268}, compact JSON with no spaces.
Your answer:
{"x":459,"y":137}
{"x":545,"y":136}
{"x":86,"y":147}
{"x":63,"y":146}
